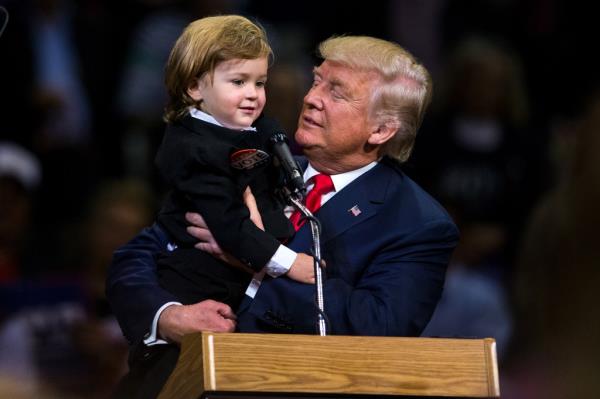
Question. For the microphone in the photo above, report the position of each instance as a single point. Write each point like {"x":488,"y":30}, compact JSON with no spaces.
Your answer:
{"x":293,"y":173}
{"x":294,"y":180}
{"x":296,"y":191}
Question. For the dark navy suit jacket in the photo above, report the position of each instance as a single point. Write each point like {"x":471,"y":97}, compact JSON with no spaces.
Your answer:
{"x":386,"y":263}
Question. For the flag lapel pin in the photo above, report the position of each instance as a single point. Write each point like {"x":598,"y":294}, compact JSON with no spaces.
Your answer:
{"x":355,"y":210}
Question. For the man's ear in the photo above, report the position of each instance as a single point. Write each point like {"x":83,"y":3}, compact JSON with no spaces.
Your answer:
{"x":195,"y":90}
{"x":383,"y":132}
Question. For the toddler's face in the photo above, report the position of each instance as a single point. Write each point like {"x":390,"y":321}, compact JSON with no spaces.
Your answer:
{"x":236,"y":96}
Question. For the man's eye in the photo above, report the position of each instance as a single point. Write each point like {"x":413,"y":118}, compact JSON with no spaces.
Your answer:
{"x":336,"y":94}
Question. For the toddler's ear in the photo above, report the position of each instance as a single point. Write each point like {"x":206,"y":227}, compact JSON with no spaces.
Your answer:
{"x":195,"y":90}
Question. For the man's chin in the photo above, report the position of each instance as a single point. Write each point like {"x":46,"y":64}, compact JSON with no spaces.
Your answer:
{"x":310,"y":150}
{"x":304,"y":138}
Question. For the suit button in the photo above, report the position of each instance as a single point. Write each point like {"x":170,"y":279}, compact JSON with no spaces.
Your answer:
{"x":269,"y":315}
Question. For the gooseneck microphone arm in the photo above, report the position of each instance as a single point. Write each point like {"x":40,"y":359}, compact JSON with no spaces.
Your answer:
{"x":294,"y":190}
{"x":315,"y":228}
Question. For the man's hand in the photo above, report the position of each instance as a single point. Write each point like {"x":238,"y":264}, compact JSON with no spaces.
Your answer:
{"x":207,"y":243}
{"x":303,"y":270}
{"x":177,"y":320}
{"x":199,"y":230}
{"x":253,"y":208}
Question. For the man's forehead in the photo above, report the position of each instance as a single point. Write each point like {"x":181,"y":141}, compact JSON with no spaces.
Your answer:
{"x":331,"y":67}
{"x":343,"y":74}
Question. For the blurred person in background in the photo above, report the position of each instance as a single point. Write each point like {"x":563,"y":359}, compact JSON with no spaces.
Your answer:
{"x":20,"y":176}
{"x":558,"y":276}
{"x":56,"y":74}
{"x":555,"y":354}
{"x":68,"y":344}
{"x":474,"y":150}
{"x":474,"y":156}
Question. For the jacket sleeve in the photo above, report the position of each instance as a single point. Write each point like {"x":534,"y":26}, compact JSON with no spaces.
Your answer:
{"x":203,"y":175}
{"x":399,"y":290}
{"x":132,"y":287}
{"x":394,"y":295}
{"x":215,"y":196}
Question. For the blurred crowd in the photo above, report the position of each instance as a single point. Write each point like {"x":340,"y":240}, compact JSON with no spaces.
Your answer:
{"x":508,"y":147}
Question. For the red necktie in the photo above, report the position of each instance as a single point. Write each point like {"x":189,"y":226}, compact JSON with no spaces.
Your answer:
{"x":323,"y":185}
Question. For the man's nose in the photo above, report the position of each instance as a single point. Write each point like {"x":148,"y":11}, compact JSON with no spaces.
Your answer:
{"x":313,"y":98}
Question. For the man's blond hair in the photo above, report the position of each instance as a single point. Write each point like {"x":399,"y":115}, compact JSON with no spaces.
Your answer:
{"x":403,"y":94}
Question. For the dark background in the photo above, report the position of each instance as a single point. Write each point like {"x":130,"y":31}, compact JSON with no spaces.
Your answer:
{"x":508,"y":147}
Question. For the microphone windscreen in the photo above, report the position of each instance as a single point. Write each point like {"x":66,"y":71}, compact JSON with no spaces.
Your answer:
{"x":268,"y":125}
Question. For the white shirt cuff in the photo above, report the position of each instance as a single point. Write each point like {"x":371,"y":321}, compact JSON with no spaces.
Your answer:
{"x":281,"y":261}
{"x":152,"y":337}
{"x":255,"y":283}
{"x":279,"y":264}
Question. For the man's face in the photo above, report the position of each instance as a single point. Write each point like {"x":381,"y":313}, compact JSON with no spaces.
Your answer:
{"x":334,"y":124}
{"x":236,"y":96}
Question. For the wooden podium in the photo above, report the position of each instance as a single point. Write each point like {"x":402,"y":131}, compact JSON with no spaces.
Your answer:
{"x":213,"y":365}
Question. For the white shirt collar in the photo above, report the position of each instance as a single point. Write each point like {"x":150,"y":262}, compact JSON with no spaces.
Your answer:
{"x":198,"y":114}
{"x":340,"y":180}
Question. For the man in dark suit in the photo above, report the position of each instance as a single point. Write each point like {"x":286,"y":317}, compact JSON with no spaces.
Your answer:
{"x":385,"y":241}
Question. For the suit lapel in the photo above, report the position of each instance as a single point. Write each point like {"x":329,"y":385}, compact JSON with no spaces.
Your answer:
{"x":354,"y":204}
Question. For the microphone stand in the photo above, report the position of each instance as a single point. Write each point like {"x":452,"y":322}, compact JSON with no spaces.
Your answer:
{"x":315,"y":227}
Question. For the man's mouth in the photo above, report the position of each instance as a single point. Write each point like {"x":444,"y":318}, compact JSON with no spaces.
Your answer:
{"x":310,"y":121}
